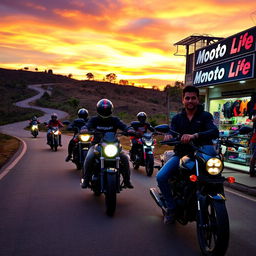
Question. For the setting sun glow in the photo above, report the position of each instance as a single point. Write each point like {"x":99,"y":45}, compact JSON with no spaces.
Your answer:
{"x":133,"y":39}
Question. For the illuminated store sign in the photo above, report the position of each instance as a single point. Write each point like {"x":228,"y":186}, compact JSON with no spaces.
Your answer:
{"x":236,"y":69}
{"x":231,"y":47}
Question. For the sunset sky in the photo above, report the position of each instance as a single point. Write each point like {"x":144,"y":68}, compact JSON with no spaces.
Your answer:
{"x":133,"y":39}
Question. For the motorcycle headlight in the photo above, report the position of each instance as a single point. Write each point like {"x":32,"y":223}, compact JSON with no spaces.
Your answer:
{"x":110,"y":150}
{"x":34,"y":127}
{"x":148,"y":143}
{"x":214,"y":166}
{"x":56,"y":132}
{"x":84,"y":137}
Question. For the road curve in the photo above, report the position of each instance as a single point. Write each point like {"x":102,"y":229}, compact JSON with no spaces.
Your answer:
{"x":17,"y":129}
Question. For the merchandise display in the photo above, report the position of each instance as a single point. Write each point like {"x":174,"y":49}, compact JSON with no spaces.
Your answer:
{"x":229,"y":115}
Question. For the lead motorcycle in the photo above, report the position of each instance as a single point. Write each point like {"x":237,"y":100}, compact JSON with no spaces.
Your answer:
{"x":106,"y":176}
{"x":198,"y":191}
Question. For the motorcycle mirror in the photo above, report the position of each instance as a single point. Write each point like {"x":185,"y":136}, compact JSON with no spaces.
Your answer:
{"x":164,"y":128}
{"x":66,"y":122}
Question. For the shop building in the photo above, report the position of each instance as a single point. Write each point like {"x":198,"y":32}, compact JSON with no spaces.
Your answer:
{"x":224,"y":71}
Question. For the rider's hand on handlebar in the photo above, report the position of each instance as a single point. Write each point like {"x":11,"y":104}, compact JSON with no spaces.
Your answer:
{"x":186,"y":138}
{"x":167,"y":137}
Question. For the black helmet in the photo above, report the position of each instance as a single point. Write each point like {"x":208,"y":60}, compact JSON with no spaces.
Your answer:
{"x":34,"y":118}
{"x":82,"y":113}
{"x":104,"y":108}
{"x":142,"y":116}
{"x":54,"y":116}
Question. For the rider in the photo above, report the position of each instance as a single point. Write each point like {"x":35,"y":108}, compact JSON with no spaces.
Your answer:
{"x":104,"y":122}
{"x":193,"y":123}
{"x":140,"y":127}
{"x":76,"y":126}
{"x":34,"y":120}
{"x":54,"y":122}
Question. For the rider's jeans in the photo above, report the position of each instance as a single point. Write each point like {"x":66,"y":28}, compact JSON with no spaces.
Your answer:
{"x":164,"y":174}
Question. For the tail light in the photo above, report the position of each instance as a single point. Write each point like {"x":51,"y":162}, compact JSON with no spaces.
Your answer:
{"x":193,"y":178}
{"x":231,"y":179}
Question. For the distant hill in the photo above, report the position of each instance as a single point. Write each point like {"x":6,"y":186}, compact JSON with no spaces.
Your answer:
{"x":21,"y":76}
{"x":127,"y":100}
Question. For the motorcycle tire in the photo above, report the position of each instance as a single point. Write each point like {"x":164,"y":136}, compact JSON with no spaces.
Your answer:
{"x":213,"y":234}
{"x":110,"y":194}
{"x":149,"y":165}
{"x":55,"y":144}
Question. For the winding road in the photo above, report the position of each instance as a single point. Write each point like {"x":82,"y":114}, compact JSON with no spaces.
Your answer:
{"x":44,"y":212}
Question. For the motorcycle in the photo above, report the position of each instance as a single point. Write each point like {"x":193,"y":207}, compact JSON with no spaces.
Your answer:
{"x":82,"y":145}
{"x":106,"y":170}
{"x":54,"y":138}
{"x":80,"y":150}
{"x":198,"y":191}
{"x":34,"y":129}
{"x":144,"y":154}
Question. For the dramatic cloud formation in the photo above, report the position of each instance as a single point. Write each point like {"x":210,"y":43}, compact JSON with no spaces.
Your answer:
{"x":133,"y":39}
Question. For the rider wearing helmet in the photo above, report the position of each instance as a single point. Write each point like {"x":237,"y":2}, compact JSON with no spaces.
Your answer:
{"x":140,"y":127}
{"x":54,"y":122}
{"x":76,"y":126}
{"x":104,"y":122}
{"x":34,"y":120}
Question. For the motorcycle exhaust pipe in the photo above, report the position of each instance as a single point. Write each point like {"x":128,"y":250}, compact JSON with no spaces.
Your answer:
{"x":157,"y":197}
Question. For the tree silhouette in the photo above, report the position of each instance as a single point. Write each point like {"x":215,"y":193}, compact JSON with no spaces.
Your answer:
{"x":90,"y":76}
{"x":123,"y":82}
{"x":111,"y":77}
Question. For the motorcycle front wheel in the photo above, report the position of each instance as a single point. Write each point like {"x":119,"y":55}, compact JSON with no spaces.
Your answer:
{"x":149,"y":165}
{"x":213,"y":233}
{"x":56,"y":143}
{"x":110,"y":194}
{"x":35,"y":134}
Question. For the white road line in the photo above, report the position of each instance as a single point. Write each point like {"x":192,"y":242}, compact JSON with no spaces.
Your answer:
{"x":240,"y":195}
{"x":16,"y":160}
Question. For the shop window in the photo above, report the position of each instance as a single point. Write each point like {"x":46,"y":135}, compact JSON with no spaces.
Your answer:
{"x":229,"y":115}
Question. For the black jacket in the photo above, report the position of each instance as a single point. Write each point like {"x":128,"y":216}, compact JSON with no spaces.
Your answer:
{"x":201,"y":123}
{"x":77,"y":124}
{"x":110,"y":124}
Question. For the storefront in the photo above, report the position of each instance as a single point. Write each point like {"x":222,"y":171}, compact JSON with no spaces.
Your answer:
{"x":227,"y":70}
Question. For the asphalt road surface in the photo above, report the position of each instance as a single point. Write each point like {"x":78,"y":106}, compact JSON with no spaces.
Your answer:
{"x":43,"y":211}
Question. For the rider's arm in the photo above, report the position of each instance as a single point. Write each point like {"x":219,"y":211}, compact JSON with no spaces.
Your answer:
{"x":151,"y":128}
{"x":121,"y":125}
{"x":89,"y":126}
{"x":60,"y":124}
{"x":210,"y":129}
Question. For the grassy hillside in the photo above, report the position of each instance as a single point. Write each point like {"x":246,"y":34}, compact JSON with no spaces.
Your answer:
{"x":127,"y":100}
{"x":69,"y":95}
{"x":13,"y":88}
